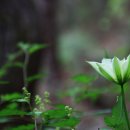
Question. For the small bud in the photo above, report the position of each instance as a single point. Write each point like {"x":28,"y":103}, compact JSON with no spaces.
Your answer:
{"x":69,"y":115}
{"x":66,"y":107}
{"x":46,"y":94}
{"x":38,"y":99}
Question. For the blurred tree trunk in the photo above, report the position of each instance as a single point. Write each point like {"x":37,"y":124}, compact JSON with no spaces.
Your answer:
{"x":29,"y":21}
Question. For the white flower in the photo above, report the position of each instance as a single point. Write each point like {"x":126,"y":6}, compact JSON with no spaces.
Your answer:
{"x":113,"y":69}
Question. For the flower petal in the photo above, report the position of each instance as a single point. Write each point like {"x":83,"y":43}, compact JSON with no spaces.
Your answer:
{"x":127,"y":69}
{"x":123,"y":67}
{"x":108,"y":67}
{"x":107,"y":61}
{"x":94,"y":65}
{"x":117,"y":69}
{"x":105,"y":73}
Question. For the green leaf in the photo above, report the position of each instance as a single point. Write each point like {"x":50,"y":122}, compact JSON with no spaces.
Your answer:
{"x":3,"y":72}
{"x":18,"y":64}
{"x":35,"y":77}
{"x":83,"y":78}
{"x":117,"y":119}
{"x":71,"y":122}
{"x":9,"y":97}
{"x":24,"y":46}
{"x":36,"y":47}
{"x":11,"y":110}
{"x":31,"y":47}
{"x":56,"y":113}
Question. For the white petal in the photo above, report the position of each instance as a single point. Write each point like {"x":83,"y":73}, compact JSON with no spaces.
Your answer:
{"x":118,"y":69}
{"x":108,"y":67}
{"x":107,"y":61}
{"x":94,"y":65}
{"x":126,"y":68}
{"x":105,"y":73}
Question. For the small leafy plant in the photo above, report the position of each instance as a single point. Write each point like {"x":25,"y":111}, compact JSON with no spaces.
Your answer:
{"x":17,"y":107}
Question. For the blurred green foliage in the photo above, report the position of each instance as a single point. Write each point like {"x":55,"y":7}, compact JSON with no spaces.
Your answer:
{"x":117,"y":120}
{"x":16,"y":106}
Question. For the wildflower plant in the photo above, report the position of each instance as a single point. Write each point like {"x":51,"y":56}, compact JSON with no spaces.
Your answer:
{"x":117,"y":71}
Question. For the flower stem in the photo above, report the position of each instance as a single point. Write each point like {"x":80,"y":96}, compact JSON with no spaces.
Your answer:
{"x":124,"y":106}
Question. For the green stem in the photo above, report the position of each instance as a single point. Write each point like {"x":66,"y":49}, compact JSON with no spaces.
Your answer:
{"x":124,"y":106}
{"x":35,"y":121}
{"x":25,"y":74}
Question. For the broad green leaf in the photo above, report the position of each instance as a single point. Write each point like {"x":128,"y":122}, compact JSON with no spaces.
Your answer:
{"x":56,"y":113}
{"x":117,"y":119}
{"x":9,"y":97}
{"x":11,"y":110}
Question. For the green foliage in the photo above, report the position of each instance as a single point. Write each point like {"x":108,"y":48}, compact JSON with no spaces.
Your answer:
{"x":81,"y":89}
{"x":10,"y":97}
{"x":82,"y":93}
{"x":34,"y":77}
{"x":61,"y":117}
{"x":31,"y":48}
{"x":11,"y":109}
{"x":117,"y":7}
{"x":83,"y":78}
{"x":18,"y":106}
{"x":117,"y":119}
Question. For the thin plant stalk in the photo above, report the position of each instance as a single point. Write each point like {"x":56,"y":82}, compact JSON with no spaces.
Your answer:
{"x":25,"y":66}
{"x":35,"y":124}
{"x":124,"y":106}
{"x":25,"y":76}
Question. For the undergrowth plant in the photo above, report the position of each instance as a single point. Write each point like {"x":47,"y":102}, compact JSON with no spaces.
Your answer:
{"x":17,"y":107}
